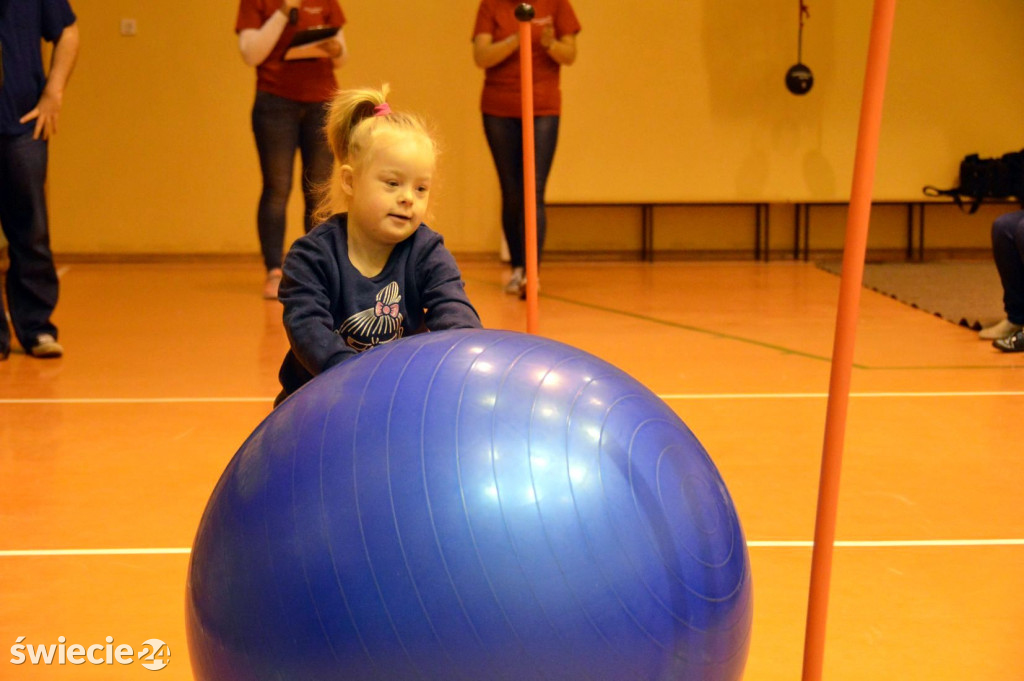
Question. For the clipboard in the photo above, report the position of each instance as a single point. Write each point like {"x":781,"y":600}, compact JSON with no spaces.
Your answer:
{"x":313,"y":35}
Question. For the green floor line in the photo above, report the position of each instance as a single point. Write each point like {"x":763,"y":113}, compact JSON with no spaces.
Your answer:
{"x":695,"y":329}
{"x":744,"y":340}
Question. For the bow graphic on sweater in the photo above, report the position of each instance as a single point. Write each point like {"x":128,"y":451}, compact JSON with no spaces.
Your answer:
{"x":375,"y":325}
{"x":382,"y":310}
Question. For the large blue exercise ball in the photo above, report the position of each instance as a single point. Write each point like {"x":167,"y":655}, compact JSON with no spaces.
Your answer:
{"x":470,"y":505}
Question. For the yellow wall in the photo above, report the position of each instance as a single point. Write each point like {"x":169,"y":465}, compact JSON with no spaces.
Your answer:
{"x":669,"y":101}
{"x":685,"y":100}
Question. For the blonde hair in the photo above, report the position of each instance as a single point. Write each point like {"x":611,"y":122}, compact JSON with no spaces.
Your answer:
{"x":355,"y":119}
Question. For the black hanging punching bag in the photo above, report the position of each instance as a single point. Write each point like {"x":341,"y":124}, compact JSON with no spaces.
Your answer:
{"x":799,"y":78}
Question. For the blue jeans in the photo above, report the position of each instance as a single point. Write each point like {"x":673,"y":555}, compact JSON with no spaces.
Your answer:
{"x":32,"y":279}
{"x":1008,"y":252}
{"x":505,"y":138}
{"x":281,"y":126}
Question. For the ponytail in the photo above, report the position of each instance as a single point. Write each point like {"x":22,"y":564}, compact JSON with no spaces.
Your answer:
{"x":354,"y":119}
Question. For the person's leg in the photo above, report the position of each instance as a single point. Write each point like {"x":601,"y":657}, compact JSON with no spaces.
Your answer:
{"x":317,"y":159}
{"x":1008,"y":253}
{"x":545,"y":133}
{"x":32,"y":285}
{"x":275,"y":125}
{"x":505,"y":139}
{"x":5,"y":220}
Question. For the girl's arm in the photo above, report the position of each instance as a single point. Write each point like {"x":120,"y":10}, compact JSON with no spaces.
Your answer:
{"x":562,"y":50}
{"x":342,"y":56}
{"x":256,"y":44}
{"x":442,"y":291}
{"x":487,"y":53}
{"x":308,"y":288}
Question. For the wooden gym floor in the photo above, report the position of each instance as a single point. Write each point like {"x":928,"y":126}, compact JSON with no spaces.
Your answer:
{"x":107,"y":456}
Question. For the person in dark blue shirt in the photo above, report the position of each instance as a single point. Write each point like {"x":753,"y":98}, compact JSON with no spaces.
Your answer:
{"x":30,"y":104}
{"x":375,"y":273}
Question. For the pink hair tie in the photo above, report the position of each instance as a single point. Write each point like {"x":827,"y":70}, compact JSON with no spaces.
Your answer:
{"x":382,"y":109}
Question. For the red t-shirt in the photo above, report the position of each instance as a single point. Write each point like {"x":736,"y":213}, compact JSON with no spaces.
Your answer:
{"x":501,"y":82}
{"x":302,"y":80}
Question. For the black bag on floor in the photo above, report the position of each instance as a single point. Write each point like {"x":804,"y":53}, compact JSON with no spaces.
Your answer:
{"x":986,"y":178}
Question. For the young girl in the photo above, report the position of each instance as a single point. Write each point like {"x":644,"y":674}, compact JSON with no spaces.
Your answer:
{"x":375,"y":273}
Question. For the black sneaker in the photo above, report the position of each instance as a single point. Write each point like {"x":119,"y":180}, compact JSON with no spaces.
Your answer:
{"x":1014,"y":343}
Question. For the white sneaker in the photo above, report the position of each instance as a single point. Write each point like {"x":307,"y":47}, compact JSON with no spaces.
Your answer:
{"x":1001,"y":330}
{"x":522,"y":291}
{"x":46,"y":346}
{"x":516,"y":283}
{"x":272,"y":283}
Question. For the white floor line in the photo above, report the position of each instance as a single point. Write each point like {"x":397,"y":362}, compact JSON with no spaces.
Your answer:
{"x":923,"y":543}
{"x":898,"y":544}
{"x":93,"y":552}
{"x":805,"y":396}
{"x":667,"y":396}
{"x":136,"y":400}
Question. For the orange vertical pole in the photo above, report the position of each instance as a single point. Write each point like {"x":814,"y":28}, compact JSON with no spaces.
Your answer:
{"x":524,"y":13}
{"x":854,"y":251}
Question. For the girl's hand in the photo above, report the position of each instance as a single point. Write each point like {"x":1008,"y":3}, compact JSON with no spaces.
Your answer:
{"x":547,"y":36}
{"x":331,"y":48}
{"x":487,"y":52}
{"x":323,"y":49}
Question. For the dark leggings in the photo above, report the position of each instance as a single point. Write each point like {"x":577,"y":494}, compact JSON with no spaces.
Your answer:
{"x":1008,"y":252}
{"x":505,"y":138}
{"x":281,"y":126}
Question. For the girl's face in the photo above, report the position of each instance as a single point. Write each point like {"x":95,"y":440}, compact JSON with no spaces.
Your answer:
{"x":388,"y":194}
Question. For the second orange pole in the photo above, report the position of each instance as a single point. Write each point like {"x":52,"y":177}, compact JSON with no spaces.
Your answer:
{"x":854,"y":251}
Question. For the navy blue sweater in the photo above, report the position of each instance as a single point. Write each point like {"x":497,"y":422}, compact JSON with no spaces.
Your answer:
{"x":332,"y":312}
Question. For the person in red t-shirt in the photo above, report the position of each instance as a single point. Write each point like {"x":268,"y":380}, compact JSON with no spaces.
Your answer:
{"x":496,"y":49}
{"x":293,"y":88}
